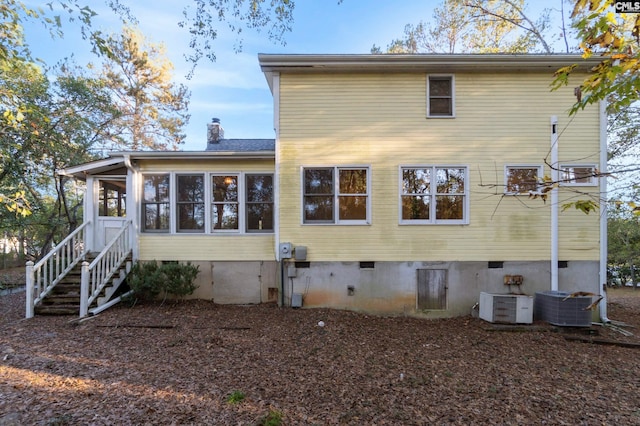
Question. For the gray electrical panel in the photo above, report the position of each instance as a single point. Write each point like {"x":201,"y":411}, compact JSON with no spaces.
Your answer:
{"x":301,"y":253}
{"x":285,"y":251}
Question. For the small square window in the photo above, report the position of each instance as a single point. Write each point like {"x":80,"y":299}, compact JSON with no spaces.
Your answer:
{"x":440,"y":96}
{"x":521,"y":179}
{"x":578,"y":175}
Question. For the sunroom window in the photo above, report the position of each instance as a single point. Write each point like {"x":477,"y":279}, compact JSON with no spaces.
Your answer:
{"x":155,"y":203}
{"x":224,"y":206}
{"x":208,"y":203}
{"x":190,"y":203}
{"x":259,"y":203}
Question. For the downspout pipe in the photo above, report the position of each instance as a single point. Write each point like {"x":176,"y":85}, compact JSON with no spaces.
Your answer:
{"x":555,"y":179}
{"x":603,"y":213}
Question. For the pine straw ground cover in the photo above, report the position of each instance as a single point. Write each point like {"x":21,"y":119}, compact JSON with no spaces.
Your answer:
{"x":200,"y":363}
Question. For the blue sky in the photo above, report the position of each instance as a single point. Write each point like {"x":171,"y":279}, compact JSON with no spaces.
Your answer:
{"x":233,"y":88}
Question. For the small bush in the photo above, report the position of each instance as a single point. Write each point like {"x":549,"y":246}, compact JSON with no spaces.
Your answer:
{"x":148,"y":280}
{"x":236,"y":397}
{"x":274,"y":418}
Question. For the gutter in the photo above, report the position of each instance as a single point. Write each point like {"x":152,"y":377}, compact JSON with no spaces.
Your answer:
{"x":194,"y":155}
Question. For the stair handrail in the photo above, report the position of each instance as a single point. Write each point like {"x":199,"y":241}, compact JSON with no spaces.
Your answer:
{"x":43,"y":276}
{"x":96,"y":275}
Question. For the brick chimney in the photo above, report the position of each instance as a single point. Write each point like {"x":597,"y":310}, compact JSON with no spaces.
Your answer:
{"x":215,"y":132}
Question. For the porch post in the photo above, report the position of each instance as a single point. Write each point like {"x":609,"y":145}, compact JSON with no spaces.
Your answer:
{"x":90,"y":201}
{"x":29,"y":290}
{"x":84,"y":290}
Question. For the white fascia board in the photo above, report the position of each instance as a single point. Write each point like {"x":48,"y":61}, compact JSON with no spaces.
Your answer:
{"x":420,"y":62}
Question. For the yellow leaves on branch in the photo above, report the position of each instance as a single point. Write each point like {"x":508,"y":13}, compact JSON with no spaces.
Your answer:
{"x":16,"y":203}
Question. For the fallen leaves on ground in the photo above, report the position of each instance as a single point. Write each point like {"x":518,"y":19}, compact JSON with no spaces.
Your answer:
{"x":180,"y":364}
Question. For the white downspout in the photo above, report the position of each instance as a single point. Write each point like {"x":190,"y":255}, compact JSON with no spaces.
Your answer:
{"x":555,"y":179}
{"x":603,"y":213}
{"x":275,"y":88}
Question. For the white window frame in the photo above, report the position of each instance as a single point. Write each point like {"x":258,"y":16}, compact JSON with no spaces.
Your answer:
{"x":453,"y":95}
{"x":336,"y":206}
{"x":208,"y":201}
{"x":141,"y":211}
{"x":211,"y":203}
{"x":433,"y":196}
{"x":539,"y":176}
{"x":568,"y":180}
{"x":204,"y":203}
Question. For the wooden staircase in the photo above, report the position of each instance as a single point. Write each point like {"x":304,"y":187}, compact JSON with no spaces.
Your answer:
{"x":64,"y":298}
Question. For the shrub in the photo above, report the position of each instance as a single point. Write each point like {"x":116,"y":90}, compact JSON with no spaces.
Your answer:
{"x":235,"y":397}
{"x":148,"y":280}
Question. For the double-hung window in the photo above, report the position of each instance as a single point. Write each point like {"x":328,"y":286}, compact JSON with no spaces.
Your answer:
{"x":522,"y":179}
{"x":434,"y":195}
{"x":440,"y":96}
{"x":337,"y":195}
{"x":156,"y":203}
{"x":578,"y":175}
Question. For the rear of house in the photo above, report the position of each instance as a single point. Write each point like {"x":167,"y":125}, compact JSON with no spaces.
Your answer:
{"x":413,"y":183}
{"x":396,"y":184}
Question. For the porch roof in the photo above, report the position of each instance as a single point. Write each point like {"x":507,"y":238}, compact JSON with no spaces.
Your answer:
{"x":260,"y":149}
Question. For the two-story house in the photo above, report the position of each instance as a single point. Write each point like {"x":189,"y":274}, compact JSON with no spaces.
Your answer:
{"x":399,"y":184}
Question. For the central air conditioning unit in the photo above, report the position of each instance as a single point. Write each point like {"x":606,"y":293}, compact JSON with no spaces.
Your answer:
{"x":506,"y":308}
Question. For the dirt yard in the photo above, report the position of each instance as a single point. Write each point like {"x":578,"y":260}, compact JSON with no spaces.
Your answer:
{"x":203,"y":364}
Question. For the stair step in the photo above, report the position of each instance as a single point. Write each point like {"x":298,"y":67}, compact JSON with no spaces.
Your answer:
{"x":57,"y":310}
{"x":62,"y":299}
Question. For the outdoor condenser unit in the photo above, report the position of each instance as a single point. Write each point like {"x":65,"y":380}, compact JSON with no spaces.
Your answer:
{"x":506,"y":308}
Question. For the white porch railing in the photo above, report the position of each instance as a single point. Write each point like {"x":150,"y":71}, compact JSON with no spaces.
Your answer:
{"x":44,"y":275}
{"x":96,"y":276}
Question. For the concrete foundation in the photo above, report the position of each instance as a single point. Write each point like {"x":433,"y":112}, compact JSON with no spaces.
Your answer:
{"x":393,"y":287}
{"x":245,"y":282}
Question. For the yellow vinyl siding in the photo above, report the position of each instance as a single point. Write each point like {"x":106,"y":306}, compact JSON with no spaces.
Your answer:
{"x":379,"y":120}
{"x":206,"y":247}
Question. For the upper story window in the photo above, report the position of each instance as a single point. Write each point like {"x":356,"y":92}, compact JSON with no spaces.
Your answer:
{"x":155,"y":203}
{"x":440,"y":96}
{"x":208,"y":203}
{"x":578,"y":175}
{"x":522,"y":179}
{"x":434,"y":195}
{"x":190,"y":203}
{"x":336,"y":195}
